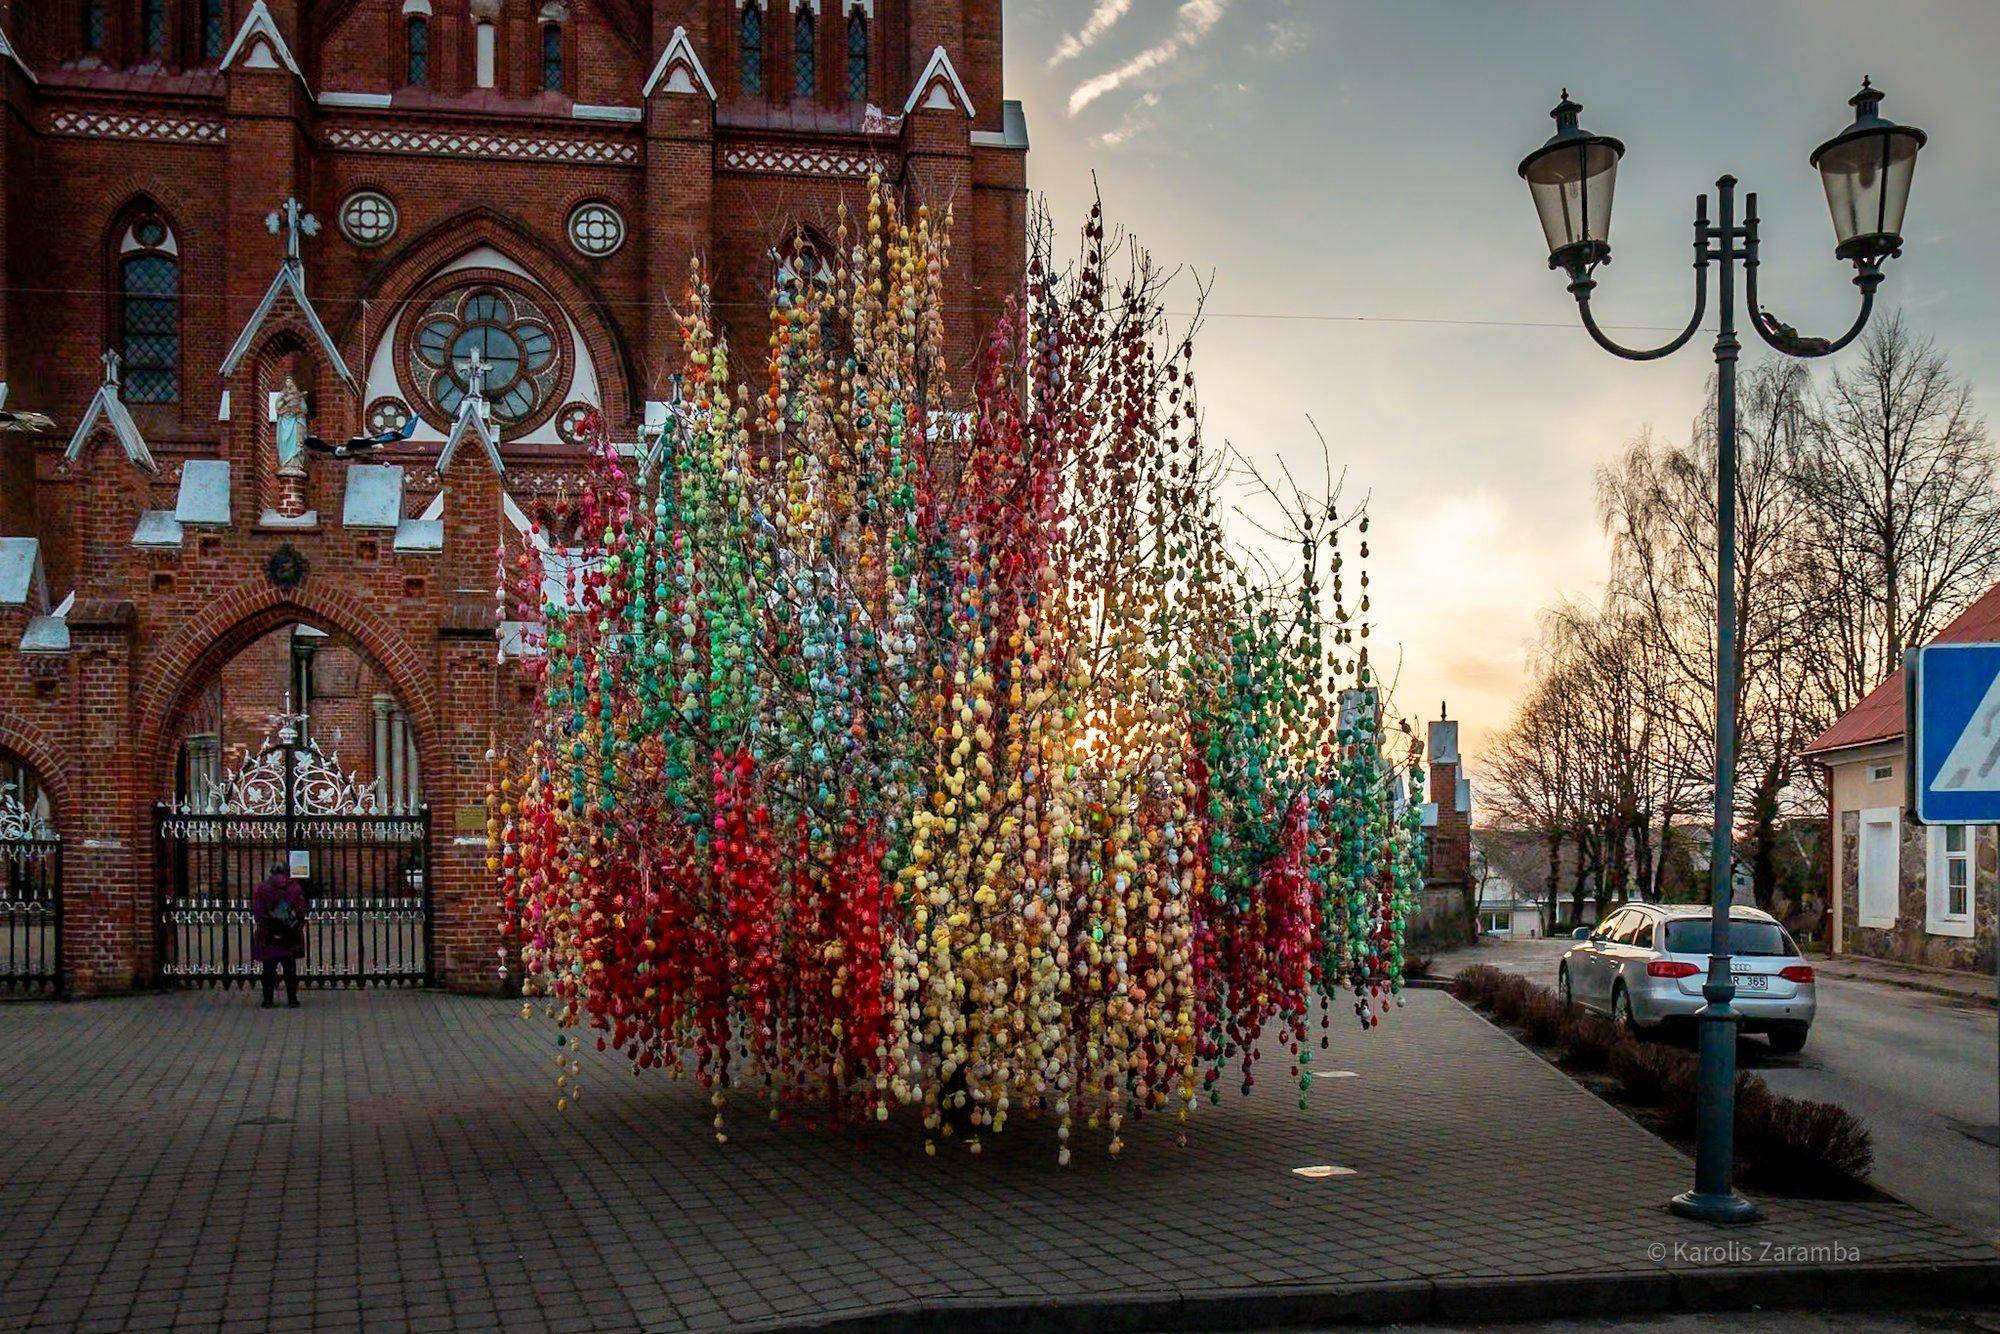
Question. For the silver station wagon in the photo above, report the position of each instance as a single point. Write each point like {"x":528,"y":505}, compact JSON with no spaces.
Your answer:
{"x":1644,"y":966}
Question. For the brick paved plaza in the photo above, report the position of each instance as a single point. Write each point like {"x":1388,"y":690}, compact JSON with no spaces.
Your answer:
{"x":394,"y":1159}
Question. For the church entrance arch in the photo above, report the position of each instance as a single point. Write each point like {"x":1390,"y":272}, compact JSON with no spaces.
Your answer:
{"x":31,"y":900}
{"x":259,"y":785}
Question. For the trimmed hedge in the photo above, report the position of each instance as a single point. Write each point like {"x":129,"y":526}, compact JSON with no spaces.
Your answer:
{"x":1792,"y":1146}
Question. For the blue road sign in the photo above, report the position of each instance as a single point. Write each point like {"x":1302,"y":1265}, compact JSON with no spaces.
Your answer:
{"x":1951,"y":700}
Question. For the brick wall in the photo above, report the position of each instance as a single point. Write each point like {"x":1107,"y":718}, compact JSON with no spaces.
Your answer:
{"x":168,"y":642}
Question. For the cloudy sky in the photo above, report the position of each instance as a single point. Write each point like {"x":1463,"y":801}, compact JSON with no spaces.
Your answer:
{"x":1345,"y":170}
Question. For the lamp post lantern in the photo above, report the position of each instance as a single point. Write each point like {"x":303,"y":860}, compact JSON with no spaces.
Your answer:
{"x":1866,"y":172}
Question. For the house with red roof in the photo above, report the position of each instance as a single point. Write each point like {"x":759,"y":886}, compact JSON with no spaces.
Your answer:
{"x":1900,"y":890}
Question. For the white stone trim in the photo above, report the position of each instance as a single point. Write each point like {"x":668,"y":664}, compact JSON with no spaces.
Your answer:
{"x":931,"y":85}
{"x":472,"y":421}
{"x":680,"y":67}
{"x":107,"y":409}
{"x":23,"y":582}
{"x":120,"y":125}
{"x":786,"y":160}
{"x":479,"y":146}
{"x":867,"y":8}
{"x":7,"y":50}
{"x":586,"y":111}
{"x":287,"y":280}
{"x":417,"y":7}
{"x":266,"y":45}
{"x":372,"y":100}
{"x":813,"y":5}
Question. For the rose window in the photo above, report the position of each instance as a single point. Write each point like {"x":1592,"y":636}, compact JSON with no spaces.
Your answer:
{"x":596,"y":229}
{"x":495,"y":336}
{"x":368,"y":218}
{"x":386,"y":414}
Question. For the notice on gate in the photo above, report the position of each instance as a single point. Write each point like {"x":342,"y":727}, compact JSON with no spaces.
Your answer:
{"x":301,"y":864}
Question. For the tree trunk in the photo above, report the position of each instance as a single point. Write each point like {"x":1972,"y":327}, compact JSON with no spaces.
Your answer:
{"x":1553,"y":889}
{"x":1764,"y":839}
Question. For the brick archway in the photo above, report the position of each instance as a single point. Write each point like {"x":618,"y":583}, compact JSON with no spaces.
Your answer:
{"x":241,"y":616}
{"x":29,"y":745}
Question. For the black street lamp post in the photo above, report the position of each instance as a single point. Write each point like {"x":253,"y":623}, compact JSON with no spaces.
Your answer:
{"x":1866,"y":172}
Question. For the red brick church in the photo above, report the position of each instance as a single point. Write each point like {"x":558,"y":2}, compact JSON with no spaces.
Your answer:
{"x":229,"y":225}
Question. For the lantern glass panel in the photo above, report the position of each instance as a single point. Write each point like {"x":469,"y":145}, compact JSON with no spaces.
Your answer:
{"x":1572,"y":189}
{"x":1867,"y":182}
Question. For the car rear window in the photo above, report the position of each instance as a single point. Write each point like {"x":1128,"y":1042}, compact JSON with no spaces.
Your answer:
{"x":1690,"y":935}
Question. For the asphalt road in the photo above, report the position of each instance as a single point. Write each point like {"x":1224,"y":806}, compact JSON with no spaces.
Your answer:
{"x":1923,"y":1071}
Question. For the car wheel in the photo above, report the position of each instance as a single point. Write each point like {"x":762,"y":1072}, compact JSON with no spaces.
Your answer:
{"x":1787,"y":1040}
{"x":1621,"y":1011}
{"x":1562,"y":985}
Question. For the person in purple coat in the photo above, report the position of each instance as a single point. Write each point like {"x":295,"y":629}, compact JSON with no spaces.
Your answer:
{"x":278,"y":930}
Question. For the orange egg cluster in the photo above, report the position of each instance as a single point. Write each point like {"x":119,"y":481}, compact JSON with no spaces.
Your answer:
{"x":894,"y":748}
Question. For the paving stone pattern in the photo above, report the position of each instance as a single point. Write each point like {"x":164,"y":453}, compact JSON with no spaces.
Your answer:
{"x":394,"y":1159}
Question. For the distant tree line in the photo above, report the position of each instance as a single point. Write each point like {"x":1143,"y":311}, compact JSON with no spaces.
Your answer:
{"x":1867,"y":518}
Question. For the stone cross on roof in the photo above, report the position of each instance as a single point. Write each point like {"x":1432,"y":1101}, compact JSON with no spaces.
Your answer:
{"x":110,"y":360}
{"x":474,"y":369}
{"x":293,"y":221}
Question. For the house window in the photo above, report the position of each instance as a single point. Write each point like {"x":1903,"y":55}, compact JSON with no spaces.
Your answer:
{"x":804,"y":70}
{"x":552,"y":59}
{"x":1881,"y":773}
{"x":214,"y":30}
{"x":153,"y":27}
{"x":417,"y":45}
{"x":750,"y":39}
{"x":1876,"y":890}
{"x":149,"y":284}
{"x":857,"y":57}
{"x":1948,"y":893}
{"x":483,"y":54}
{"x":93,"y":25}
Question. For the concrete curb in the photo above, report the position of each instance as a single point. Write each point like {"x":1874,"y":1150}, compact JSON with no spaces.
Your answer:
{"x":1499,"y":1297}
{"x":1908,"y":982}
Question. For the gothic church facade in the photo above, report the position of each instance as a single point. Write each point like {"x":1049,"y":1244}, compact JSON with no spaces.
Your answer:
{"x":466,"y":222}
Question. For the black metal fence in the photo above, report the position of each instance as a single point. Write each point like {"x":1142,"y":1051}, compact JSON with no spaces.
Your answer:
{"x":31,"y":917}
{"x":368,"y":899}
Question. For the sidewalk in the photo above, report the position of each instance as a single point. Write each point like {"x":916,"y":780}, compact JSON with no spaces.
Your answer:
{"x":1975,"y":987}
{"x":394,"y":1159}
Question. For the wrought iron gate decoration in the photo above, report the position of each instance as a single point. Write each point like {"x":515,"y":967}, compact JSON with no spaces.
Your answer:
{"x":31,"y":916}
{"x":366,"y":871}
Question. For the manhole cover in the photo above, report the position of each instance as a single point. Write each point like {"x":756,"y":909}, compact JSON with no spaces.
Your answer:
{"x":265,"y":1121}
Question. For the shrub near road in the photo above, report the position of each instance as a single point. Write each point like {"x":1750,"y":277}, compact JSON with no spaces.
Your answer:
{"x":1788,"y":1146}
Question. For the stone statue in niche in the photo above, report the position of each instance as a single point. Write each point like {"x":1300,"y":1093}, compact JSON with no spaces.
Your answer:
{"x":291,"y":414}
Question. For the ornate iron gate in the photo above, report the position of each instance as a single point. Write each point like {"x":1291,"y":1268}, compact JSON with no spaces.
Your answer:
{"x":366,"y":872}
{"x":31,"y":909}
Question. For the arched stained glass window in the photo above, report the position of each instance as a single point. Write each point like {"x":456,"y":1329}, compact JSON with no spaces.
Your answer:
{"x":857,"y":57}
{"x":805,"y":68}
{"x":418,"y":51}
{"x":153,"y":27}
{"x":149,"y":290}
{"x":751,"y":41}
{"x":93,"y":25}
{"x":552,"y":58}
{"x":214,"y":29}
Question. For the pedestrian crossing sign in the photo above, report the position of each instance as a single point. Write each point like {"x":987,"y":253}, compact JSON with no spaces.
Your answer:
{"x":1951,"y":703}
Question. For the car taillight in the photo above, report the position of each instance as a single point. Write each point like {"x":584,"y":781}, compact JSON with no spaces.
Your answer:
{"x":1798,"y":972}
{"x":1670,"y":968}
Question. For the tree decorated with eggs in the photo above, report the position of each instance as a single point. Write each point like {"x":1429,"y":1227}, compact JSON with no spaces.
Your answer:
{"x":901,"y":747}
